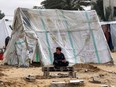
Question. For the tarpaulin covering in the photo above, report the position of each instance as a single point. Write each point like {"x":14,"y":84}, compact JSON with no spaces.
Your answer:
{"x":111,"y":31}
{"x":36,"y":34}
{"x":4,"y":32}
{"x":113,"y":35}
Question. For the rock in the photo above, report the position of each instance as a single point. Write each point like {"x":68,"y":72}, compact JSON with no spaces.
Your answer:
{"x":104,"y":86}
{"x":30,"y":78}
{"x":77,"y":82}
{"x":1,"y":83}
{"x":58,"y":84}
{"x":95,"y":81}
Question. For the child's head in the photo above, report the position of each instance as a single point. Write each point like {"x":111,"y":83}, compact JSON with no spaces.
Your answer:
{"x":58,"y":50}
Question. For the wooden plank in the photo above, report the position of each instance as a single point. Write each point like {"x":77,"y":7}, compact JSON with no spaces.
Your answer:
{"x":53,"y":69}
{"x":49,"y":69}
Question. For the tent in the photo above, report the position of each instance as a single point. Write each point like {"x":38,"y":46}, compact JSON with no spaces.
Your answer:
{"x":4,"y":32}
{"x":112,"y":31}
{"x":36,"y":34}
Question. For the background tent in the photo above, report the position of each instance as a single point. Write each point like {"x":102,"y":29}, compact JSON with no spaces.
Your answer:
{"x":4,"y":32}
{"x":112,"y":31}
{"x":36,"y":34}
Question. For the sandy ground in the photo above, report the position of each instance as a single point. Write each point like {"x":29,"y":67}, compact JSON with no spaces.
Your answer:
{"x":14,"y":77}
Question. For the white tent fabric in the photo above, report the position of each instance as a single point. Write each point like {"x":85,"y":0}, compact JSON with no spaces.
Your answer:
{"x":108,"y":22}
{"x":36,"y":34}
{"x":4,"y":32}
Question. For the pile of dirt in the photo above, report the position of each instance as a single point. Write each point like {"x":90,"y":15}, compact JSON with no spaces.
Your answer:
{"x":35,"y":64}
{"x":86,"y":66}
{"x":103,"y":78}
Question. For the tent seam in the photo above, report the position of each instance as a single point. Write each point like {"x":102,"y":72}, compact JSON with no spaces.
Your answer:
{"x":93,"y":38}
{"x":70,"y":39}
{"x":44,"y":27}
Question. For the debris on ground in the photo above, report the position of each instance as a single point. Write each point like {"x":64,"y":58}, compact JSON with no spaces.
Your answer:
{"x":92,"y":76}
{"x":68,"y":83}
{"x":77,"y":82}
{"x":86,"y":67}
{"x":93,"y":80}
{"x":30,"y":78}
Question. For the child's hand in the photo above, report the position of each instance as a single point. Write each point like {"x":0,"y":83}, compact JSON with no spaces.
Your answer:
{"x":64,"y":61}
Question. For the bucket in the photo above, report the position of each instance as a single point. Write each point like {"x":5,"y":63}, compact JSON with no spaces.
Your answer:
{"x":1,"y":56}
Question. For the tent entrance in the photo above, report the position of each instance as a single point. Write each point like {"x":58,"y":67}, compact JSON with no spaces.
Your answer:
{"x":108,"y":35}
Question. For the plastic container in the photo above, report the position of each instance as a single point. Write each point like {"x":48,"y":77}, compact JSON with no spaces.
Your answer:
{"x":1,"y":56}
